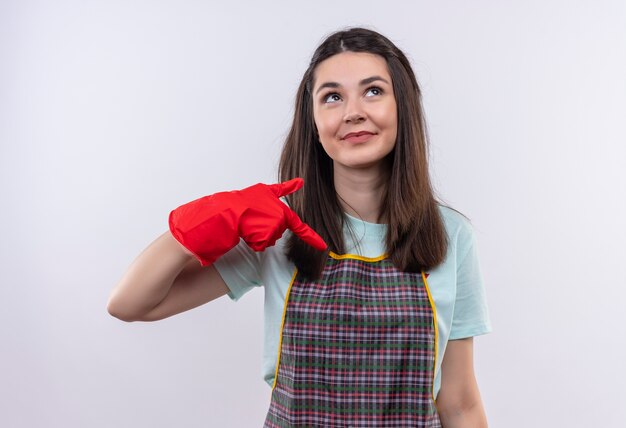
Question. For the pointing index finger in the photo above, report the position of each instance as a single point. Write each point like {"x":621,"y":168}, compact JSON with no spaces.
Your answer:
{"x":303,"y":230}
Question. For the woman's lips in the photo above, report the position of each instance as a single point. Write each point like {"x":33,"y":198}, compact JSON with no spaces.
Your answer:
{"x":359,"y":137}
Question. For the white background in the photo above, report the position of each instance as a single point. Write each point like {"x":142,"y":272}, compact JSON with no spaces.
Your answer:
{"x":112,"y":113}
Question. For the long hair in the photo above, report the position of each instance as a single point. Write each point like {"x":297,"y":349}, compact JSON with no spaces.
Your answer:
{"x":416,"y":238}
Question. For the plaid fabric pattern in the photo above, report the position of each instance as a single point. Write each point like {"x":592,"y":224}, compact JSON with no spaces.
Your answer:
{"x":358,"y":350}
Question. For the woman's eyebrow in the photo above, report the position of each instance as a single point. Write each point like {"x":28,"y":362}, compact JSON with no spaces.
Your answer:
{"x":361,"y":83}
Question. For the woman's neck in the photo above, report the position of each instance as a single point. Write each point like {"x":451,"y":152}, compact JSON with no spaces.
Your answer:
{"x":361,"y":191}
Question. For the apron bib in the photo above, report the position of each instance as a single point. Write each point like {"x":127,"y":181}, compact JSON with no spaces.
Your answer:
{"x":357,"y":349}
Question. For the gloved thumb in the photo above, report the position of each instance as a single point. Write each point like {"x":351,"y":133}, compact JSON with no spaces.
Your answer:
{"x":286,"y":187}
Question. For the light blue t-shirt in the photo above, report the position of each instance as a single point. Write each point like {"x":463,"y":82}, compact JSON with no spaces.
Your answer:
{"x":456,"y":285}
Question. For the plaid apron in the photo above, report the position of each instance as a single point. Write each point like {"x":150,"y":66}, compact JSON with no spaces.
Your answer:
{"x":357,"y":349}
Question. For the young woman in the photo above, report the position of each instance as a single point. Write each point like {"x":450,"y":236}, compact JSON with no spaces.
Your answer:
{"x":374,"y":293}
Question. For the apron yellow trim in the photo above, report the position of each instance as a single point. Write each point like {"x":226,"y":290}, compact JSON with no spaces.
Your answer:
{"x":282,"y":324}
{"x":357,"y":257}
{"x":432,"y":305}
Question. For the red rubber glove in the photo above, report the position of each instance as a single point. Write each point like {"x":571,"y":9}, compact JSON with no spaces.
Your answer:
{"x":212,"y":225}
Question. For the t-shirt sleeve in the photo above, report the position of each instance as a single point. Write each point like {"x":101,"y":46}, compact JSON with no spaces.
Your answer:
{"x":471,"y":316}
{"x":240,"y":269}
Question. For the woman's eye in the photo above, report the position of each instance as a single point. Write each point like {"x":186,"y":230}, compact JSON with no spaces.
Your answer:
{"x":374,"y":91}
{"x":332,"y":98}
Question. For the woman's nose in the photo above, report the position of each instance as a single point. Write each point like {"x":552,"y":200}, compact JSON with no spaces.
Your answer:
{"x":354,"y":118}
{"x":354,"y":112}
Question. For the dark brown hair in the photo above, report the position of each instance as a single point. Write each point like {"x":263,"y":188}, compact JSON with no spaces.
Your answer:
{"x":416,"y":238}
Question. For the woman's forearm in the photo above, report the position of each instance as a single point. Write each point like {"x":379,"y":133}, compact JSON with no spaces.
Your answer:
{"x":149,"y":278}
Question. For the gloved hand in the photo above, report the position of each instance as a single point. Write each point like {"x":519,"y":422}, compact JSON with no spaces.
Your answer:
{"x":212,"y":225}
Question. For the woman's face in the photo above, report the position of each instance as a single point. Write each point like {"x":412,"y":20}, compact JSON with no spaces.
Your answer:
{"x":354,"y":108}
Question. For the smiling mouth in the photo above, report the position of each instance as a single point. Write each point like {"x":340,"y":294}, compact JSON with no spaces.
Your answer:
{"x":359,"y":133}
{"x":358,"y":137}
